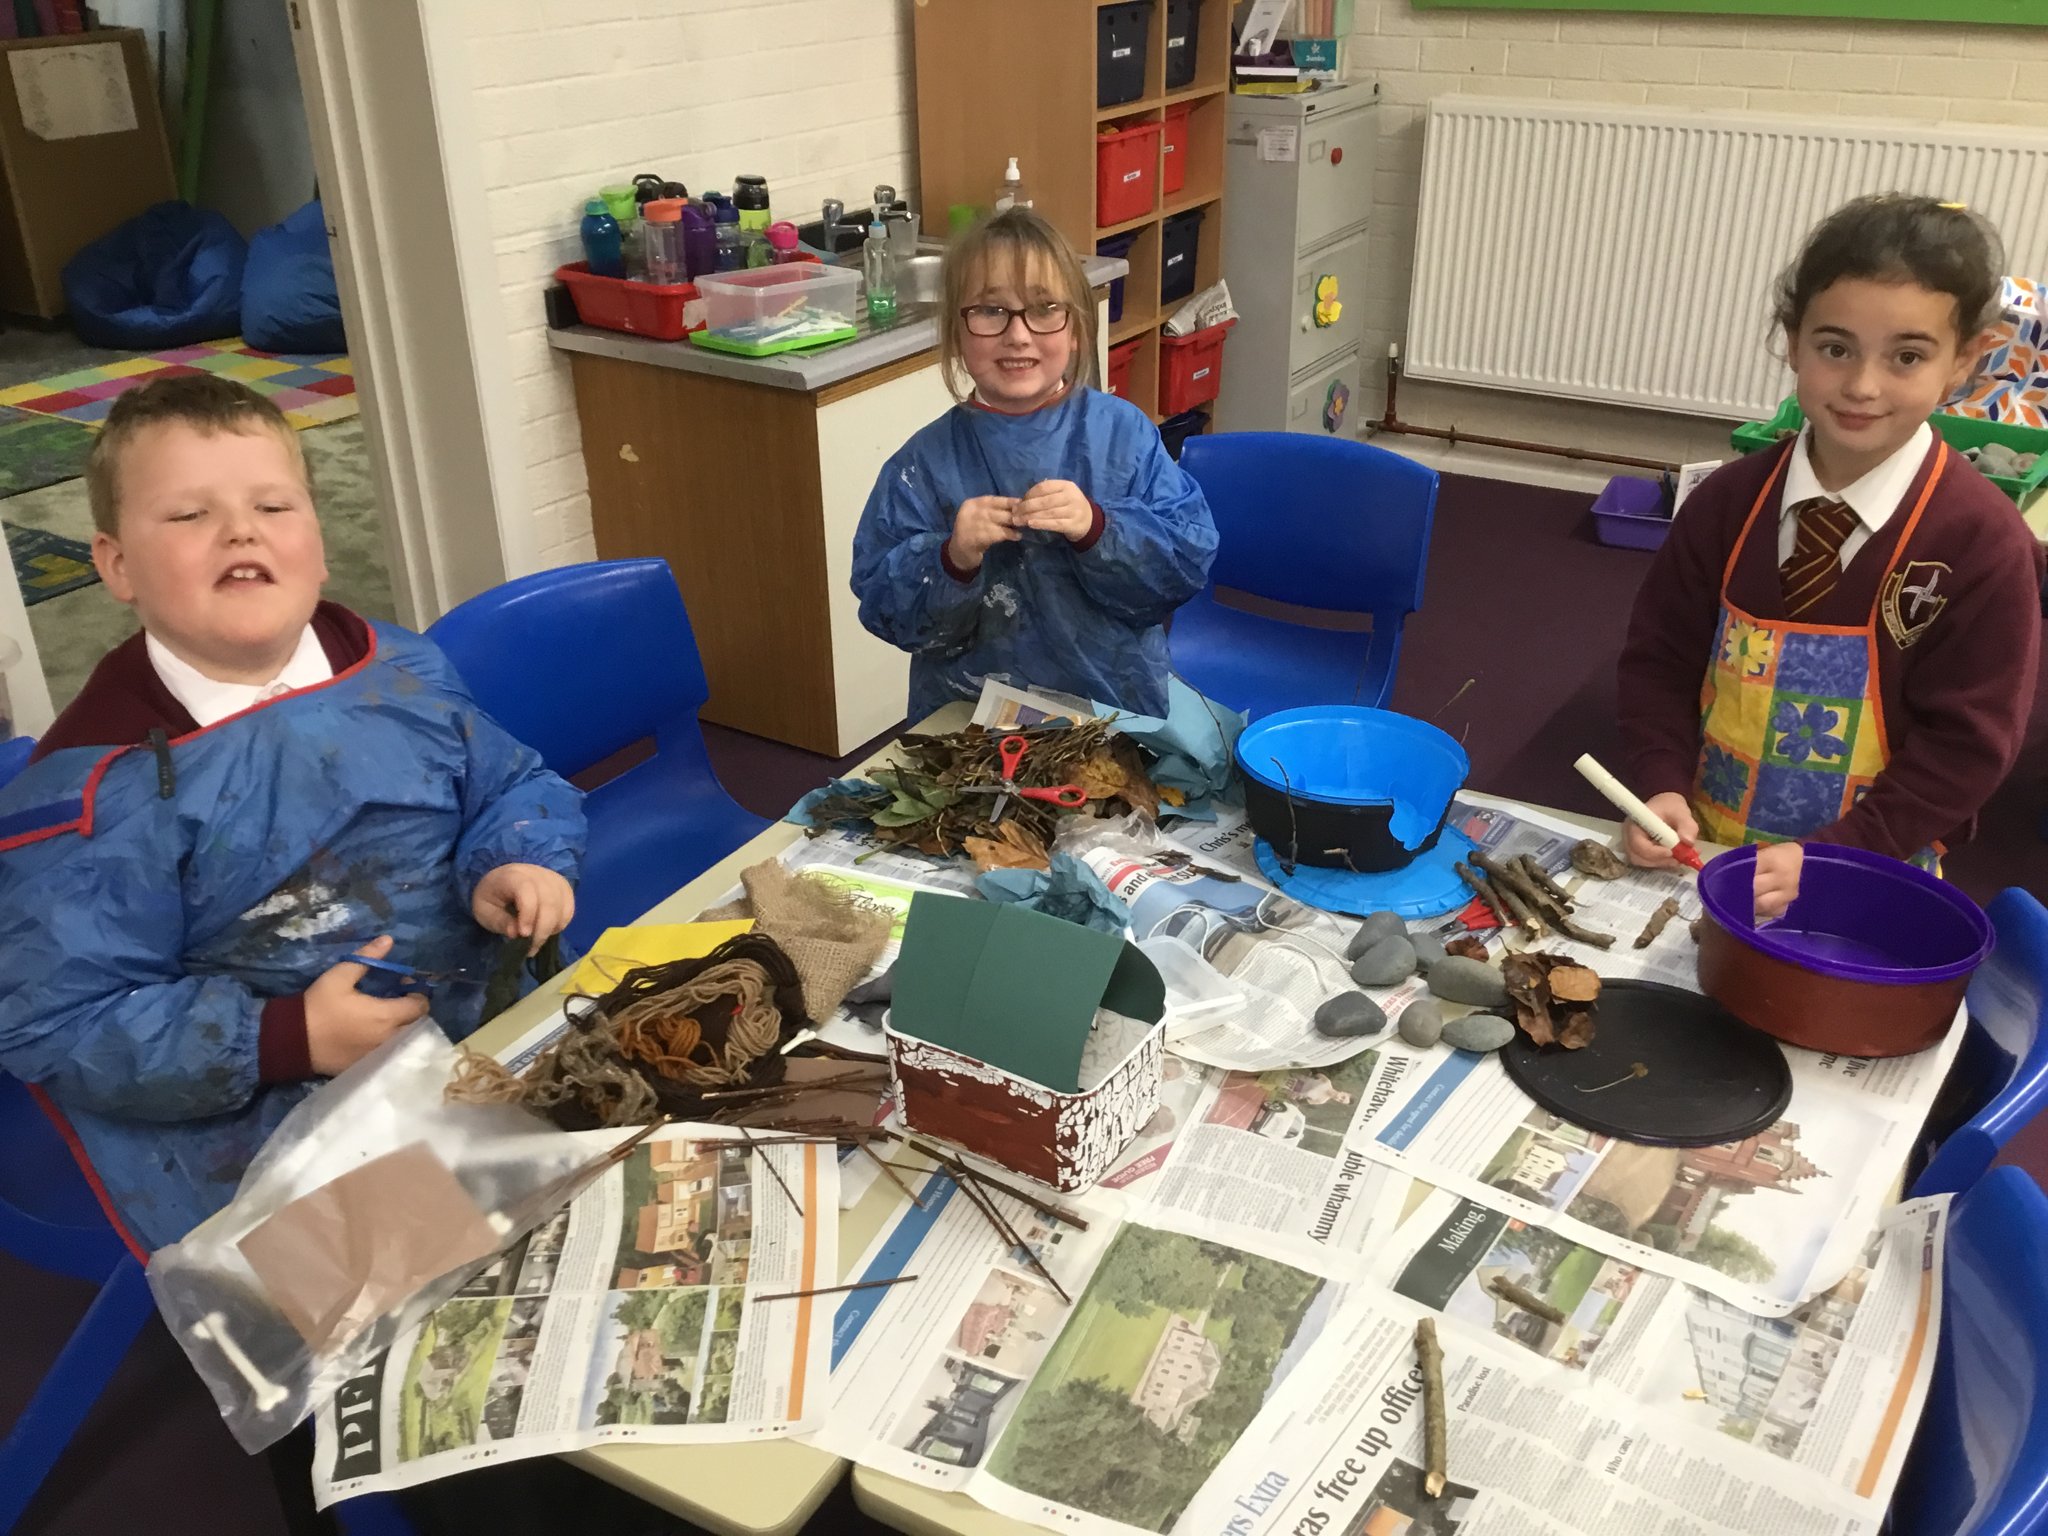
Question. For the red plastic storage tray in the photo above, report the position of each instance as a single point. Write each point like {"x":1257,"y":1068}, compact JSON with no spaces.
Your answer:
{"x":1121,"y":356}
{"x":664,"y":311}
{"x":1191,"y":368}
{"x":1126,"y":173}
{"x":1173,"y":150}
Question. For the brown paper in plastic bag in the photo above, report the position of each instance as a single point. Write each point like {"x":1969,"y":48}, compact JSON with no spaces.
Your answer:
{"x":335,"y":1260}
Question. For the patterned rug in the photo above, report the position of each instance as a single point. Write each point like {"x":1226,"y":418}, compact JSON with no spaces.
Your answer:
{"x":47,"y":564}
{"x":36,"y":451}
{"x":311,"y":391}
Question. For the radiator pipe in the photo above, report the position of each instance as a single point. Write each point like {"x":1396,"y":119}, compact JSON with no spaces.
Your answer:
{"x":1391,"y":422}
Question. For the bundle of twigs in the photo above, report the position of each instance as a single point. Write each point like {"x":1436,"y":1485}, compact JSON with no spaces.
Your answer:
{"x":1522,"y":894}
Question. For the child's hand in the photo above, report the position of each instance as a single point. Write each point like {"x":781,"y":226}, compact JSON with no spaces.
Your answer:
{"x":1057,"y":506}
{"x":1777,"y":877}
{"x":524,"y":901}
{"x":344,"y":1025}
{"x":1642,"y":849}
{"x":980,"y":525}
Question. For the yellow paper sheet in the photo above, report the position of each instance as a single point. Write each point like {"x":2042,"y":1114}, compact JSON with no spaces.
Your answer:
{"x":619,"y":950}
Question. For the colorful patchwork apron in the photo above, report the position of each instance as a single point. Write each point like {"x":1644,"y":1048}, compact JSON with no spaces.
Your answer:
{"x":1791,"y":717}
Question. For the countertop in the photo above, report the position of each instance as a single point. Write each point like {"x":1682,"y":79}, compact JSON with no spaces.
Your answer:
{"x":915,"y":330}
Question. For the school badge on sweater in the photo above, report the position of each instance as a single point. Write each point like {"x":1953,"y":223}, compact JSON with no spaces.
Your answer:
{"x":1912,"y":599}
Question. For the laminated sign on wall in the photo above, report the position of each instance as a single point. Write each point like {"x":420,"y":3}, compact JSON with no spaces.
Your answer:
{"x":73,"y":93}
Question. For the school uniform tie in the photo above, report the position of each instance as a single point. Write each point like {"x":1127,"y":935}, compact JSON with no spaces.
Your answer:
{"x":1810,"y":572}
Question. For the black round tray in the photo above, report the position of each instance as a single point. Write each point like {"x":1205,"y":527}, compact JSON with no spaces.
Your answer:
{"x":1711,"y":1077}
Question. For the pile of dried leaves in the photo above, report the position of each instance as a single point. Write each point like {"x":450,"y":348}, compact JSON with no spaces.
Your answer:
{"x":922,"y":804}
{"x":1554,"y":998}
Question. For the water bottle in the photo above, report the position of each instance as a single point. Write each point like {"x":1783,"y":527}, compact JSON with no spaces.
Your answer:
{"x":700,"y":242}
{"x":603,"y":246}
{"x":661,"y":239}
{"x":620,"y":202}
{"x":731,"y":244}
{"x":782,"y":244}
{"x":878,"y":265}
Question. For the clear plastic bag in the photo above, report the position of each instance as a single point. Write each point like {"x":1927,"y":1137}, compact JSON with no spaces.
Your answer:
{"x":374,"y":1200}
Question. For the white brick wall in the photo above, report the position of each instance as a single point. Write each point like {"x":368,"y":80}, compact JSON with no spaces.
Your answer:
{"x":1917,"y":73}
{"x":816,"y":95}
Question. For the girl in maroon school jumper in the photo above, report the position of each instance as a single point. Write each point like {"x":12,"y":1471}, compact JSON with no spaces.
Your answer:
{"x":1837,"y":642}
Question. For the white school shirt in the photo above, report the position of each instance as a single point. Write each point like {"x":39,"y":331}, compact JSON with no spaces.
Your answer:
{"x":209,"y":701}
{"x":1873,"y":499}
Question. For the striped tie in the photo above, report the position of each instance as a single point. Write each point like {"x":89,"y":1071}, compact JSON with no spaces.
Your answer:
{"x":1815,"y":564}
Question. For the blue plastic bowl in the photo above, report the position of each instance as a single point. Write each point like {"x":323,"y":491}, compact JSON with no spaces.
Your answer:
{"x":1341,"y":786}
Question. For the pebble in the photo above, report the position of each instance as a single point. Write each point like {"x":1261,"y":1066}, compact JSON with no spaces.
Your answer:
{"x":1350,"y":1013}
{"x":1387,"y":963}
{"x":1380,"y":925}
{"x":1422,"y":1022}
{"x":1457,"y":979}
{"x":1428,"y":950}
{"x":1478,"y":1032}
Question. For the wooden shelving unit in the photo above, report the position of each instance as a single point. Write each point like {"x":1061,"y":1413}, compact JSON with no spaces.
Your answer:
{"x":971,"y":51}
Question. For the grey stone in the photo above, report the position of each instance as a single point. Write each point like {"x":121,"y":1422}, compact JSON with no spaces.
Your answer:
{"x":1428,"y":950}
{"x":1380,"y":925}
{"x":1461,"y":979}
{"x":1350,"y":1013}
{"x":1479,"y":1032}
{"x":1422,"y":1022}
{"x":1388,"y":962}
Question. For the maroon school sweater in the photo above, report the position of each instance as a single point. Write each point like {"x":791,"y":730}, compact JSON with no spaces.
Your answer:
{"x":1956,"y":696}
{"x":122,"y":702}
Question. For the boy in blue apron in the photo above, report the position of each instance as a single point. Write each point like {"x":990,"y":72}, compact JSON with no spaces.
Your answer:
{"x":1838,"y":641}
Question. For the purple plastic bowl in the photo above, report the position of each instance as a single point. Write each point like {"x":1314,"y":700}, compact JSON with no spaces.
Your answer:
{"x":1632,"y":513}
{"x":1871,"y":960}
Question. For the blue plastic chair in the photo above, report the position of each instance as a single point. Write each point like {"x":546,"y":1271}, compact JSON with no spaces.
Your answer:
{"x":14,"y":753}
{"x":581,"y":663}
{"x":50,"y":1218}
{"x":2001,"y":1071}
{"x":1317,"y":523}
{"x":1979,"y":1463}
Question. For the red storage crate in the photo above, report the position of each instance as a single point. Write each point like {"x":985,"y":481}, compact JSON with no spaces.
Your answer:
{"x":664,"y":311}
{"x":1191,"y":368}
{"x":1126,"y":173}
{"x":1173,"y":150}
{"x":1121,"y":356}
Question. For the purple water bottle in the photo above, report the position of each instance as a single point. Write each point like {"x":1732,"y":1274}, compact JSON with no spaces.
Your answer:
{"x":700,"y":242}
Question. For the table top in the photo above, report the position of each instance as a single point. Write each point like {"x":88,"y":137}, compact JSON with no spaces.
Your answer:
{"x":772,"y":1487}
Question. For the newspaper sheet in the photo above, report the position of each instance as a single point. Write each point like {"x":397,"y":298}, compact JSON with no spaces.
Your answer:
{"x":1536,"y":1450}
{"x":1764,"y":1224}
{"x":638,"y":1313}
{"x":1101,"y":1417}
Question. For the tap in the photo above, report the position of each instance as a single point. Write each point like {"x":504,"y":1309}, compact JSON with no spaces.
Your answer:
{"x":833,"y":214}
{"x":885,"y":199}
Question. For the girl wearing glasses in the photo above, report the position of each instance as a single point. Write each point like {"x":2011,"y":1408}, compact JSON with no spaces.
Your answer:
{"x":1037,"y":532}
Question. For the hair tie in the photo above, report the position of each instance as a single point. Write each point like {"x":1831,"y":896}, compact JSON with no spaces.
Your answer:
{"x":1956,"y":207}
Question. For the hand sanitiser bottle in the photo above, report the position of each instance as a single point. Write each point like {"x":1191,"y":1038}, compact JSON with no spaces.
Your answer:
{"x":878,"y":266}
{"x":1013,"y":194}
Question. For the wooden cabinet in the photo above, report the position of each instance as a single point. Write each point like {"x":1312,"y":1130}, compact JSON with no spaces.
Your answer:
{"x":1040,"y":59}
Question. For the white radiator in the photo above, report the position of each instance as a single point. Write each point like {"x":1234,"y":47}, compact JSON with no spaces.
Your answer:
{"x":1629,"y":256}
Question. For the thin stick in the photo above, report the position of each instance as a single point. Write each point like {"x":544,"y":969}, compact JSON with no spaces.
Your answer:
{"x":1486,"y":894}
{"x":1541,"y":879}
{"x":1043,"y":1207}
{"x":1009,"y":1233}
{"x":837,"y":1290}
{"x":777,"y":1089}
{"x":1528,"y":1301}
{"x":1462,"y":690}
{"x":1429,"y":1356}
{"x":773,"y":1172}
{"x":889,"y":1172}
{"x":1666,"y":910}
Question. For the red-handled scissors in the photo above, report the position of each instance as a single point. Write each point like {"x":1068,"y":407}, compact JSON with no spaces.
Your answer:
{"x":1069,"y":797}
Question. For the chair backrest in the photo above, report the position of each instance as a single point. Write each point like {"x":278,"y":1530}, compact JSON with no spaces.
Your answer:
{"x":582,"y":661}
{"x":1320,"y":522}
{"x":1979,"y":1464}
{"x":14,"y":754}
{"x":49,"y":1216}
{"x":2001,"y":1071}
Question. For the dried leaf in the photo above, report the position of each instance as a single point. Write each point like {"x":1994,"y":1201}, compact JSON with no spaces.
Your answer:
{"x":1470,"y":948}
{"x":1168,"y":795}
{"x":1102,"y":777}
{"x":1012,"y":847}
{"x":1574,"y":984}
{"x":1597,"y":859}
{"x":1578,"y":1029}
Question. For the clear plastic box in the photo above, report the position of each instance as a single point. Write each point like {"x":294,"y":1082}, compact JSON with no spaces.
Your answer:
{"x":778,"y":309}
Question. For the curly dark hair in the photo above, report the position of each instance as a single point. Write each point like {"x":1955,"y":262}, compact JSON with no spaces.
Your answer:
{"x":1897,"y":237}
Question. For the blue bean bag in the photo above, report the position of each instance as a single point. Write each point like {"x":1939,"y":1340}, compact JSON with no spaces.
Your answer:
{"x":289,"y":302}
{"x":170,"y":276}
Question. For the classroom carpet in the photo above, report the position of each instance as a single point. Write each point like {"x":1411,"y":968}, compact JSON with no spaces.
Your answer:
{"x":36,"y":451}
{"x":312,"y":391}
{"x":47,"y":564}
{"x":1520,"y":599}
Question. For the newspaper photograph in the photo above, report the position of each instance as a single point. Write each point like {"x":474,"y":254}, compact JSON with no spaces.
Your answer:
{"x":1535,"y":1449}
{"x":644,"y":1310}
{"x":1833,"y":1386}
{"x":1103,"y":1415}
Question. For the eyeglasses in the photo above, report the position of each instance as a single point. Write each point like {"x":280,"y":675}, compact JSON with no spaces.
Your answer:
{"x":1047,"y":319}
